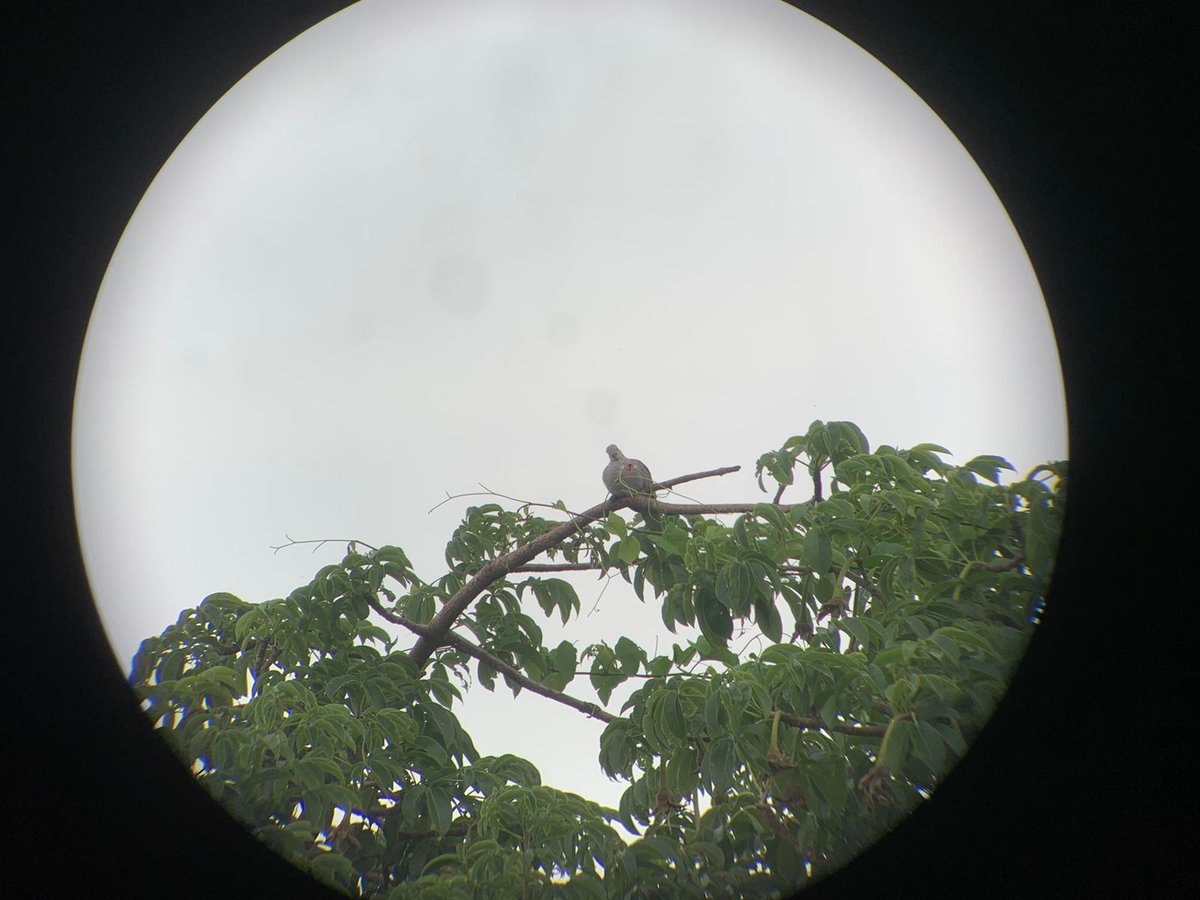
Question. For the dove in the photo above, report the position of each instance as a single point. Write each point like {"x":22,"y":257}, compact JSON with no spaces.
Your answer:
{"x":624,"y":476}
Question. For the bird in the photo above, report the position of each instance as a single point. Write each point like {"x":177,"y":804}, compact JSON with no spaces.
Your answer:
{"x":625,"y":477}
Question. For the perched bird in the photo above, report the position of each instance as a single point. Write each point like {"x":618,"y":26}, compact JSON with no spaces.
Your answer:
{"x":624,"y":476}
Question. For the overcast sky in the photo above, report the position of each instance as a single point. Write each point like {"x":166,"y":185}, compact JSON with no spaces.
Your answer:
{"x":430,"y":244}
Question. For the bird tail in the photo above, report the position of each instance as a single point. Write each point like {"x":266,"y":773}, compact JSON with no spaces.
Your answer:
{"x":654,"y":520}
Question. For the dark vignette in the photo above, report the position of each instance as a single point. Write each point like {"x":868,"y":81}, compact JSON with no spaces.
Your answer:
{"x":1078,"y":114}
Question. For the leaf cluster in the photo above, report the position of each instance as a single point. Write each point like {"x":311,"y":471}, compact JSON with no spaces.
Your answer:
{"x":878,"y":628}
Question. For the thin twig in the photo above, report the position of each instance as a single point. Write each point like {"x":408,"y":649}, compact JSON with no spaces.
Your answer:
{"x":599,"y":597}
{"x":488,"y":492}
{"x":291,"y":542}
{"x":683,"y":495}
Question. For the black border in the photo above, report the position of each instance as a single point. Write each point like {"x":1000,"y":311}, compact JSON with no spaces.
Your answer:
{"x":1077,"y":112}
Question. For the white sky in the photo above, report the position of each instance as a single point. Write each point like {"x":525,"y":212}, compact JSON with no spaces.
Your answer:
{"x":429,"y":244}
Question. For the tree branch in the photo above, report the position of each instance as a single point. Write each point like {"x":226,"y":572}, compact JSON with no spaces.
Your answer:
{"x":696,"y":476}
{"x":556,"y":567}
{"x":814,"y":722}
{"x":292,"y":542}
{"x":450,"y":639}
{"x":439,"y":627}
{"x":1006,"y":565}
{"x":642,"y":502}
{"x":488,"y":492}
{"x":460,"y":643}
{"x":863,"y":580}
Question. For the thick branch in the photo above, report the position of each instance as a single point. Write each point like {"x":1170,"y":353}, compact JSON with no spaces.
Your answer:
{"x":863,"y":580}
{"x":556,"y":567}
{"x":813,"y":722}
{"x":1006,"y":565}
{"x":497,"y":568}
{"x":684,"y":479}
{"x":641,"y":503}
{"x":450,"y":639}
{"x":460,"y":643}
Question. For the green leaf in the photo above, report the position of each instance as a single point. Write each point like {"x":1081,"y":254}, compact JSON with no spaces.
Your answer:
{"x":604,"y":683}
{"x":927,"y":448}
{"x":544,"y":596}
{"x":739,"y":532}
{"x":628,"y":550}
{"x":929,"y":746}
{"x":719,"y":652}
{"x":735,"y":586}
{"x":565,"y":659}
{"x":818,"y":550}
{"x":671,"y":716}
{"x":766,"y":616}
{"x":659,"y":666}
{"x":672,"y":540}
{"x":317,"y":810}
{"x":444,"y":692}
{"x":340,"y":795}
{"x":886,"y":549}
{"x":857,"y":629}
{"x":625,"y":817}
{"x":562,"y":594}
{"x":716,"y":713}
{"x":223,"y":601}
{"x":720,"y":761}
{"x":713,"y":618}
{"x":376,"y":693}
{"x":952,"y":736}
{"x":487,"y":675}
{"x":988,"y":467}
{"x":359,"y":606}
{"x":847,"y":440}
{"x":629,"y":654}
{"x":226,"y":676}
{"x":1041,"y":537}
{"x":683,"y":774}
{"x":248,"y":623}
{"x":681,"y":656}
{"x":831,"y":782}
{"x":333,"y":869}
{"x":437,"y":804}
{"x":771,"y":513}
{"x":898,"y":745}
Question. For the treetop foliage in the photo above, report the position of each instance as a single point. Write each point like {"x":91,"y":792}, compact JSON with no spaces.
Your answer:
{"x":891,"y":614}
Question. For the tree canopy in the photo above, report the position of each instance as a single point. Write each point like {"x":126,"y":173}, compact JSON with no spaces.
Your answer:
{"x":892,"y":605}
